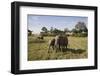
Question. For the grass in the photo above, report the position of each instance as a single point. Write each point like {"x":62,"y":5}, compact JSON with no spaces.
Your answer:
{"x":38,"y":49}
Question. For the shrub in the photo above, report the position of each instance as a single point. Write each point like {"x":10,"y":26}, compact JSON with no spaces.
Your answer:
{"x":80,"y":34}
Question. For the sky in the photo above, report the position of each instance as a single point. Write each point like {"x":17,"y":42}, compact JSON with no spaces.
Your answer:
{"x":36,"y":22}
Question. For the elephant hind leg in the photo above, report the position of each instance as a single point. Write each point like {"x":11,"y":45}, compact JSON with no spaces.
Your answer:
{"x":49,"y":48}
{"x":53,"y":47}
{"x":56,"y":48}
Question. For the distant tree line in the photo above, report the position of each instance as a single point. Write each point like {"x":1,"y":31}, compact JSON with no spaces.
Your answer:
{"x":79,"y":30}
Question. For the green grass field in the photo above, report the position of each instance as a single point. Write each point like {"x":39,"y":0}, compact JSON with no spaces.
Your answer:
{"x":38,"y":49}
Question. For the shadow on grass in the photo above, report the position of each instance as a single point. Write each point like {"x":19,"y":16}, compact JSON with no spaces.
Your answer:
{"x":76,"y":51}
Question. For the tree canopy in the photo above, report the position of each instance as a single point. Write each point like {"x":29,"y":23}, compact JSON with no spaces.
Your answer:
{"x":44,"y":29}
{"x":81,"y":27}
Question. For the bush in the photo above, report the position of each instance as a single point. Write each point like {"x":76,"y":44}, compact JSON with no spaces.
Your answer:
{"x":48,"y":34}
{"x":80,"y":34}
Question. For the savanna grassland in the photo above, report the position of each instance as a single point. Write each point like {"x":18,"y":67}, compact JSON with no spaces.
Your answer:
{"x":38,"y":49}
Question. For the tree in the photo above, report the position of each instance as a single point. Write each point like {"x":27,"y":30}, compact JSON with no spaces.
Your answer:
{"x":51,"y":30}
{"x":66,"y":30}
{"x":74,"y":31}
{"x":44,"y":29}
{"x":81,"y":27}
{"x":80,"y":30}
{"x":29,"y":32}
{"x":57,"y":31}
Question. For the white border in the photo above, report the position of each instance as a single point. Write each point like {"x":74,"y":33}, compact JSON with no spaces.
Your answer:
{"x":26,"y":65}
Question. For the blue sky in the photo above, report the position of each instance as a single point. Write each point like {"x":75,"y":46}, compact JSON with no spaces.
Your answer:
{"x":36,"y":22}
